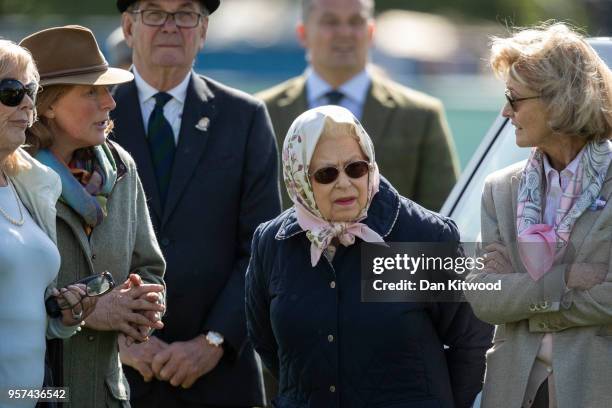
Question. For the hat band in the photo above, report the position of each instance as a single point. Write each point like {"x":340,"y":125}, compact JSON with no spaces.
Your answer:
{"x":74,"y":71}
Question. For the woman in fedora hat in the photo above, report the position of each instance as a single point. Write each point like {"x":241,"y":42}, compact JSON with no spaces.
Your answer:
{"x":102,"y":218}
{"x":29,"y":259}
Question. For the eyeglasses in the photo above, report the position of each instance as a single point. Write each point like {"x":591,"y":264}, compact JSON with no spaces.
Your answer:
{"x":512,"y":100}
{"x":96,"y":285}
{"x":157,"y":18}
{"x":354,"y":170}
{"x":12,"y":91}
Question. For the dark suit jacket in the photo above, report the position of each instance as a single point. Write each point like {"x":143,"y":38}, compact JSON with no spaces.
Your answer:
{"x":414,"y":148}
{"x":223,"y":185}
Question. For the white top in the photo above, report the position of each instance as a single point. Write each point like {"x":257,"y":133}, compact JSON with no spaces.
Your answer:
{"x":173,"y":110}
{"x":355,"y":91}
{"x":29,"y":261}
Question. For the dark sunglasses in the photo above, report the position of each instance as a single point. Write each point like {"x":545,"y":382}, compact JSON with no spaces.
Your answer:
{"x":12,"y":91}
{"x":512,"y":101}
{"x":354,"y":170}
{"x":95,"y":285}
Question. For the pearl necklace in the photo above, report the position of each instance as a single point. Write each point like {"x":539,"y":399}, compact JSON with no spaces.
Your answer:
{"x":5,"y":213}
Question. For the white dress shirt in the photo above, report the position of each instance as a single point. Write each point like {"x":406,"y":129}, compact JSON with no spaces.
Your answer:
{"x":355,"y":91}
{"x":173,"y":110}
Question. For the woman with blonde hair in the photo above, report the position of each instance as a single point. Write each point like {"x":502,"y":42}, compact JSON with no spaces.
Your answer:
{"x":29,"y":259}
{"x":102,"y":217}
{"x":546,"y":227}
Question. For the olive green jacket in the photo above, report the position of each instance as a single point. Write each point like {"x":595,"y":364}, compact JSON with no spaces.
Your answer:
{"x":123,"y":243}
{"x":414,"y":148}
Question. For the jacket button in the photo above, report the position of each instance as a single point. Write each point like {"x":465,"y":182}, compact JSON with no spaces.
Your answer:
{"x":330,"y":338}
{"x":93,"y":257}
{"x":165,"y":242}
{"x":332,"y":388}
{"x":332,"y":284}
{"x":91,"y":338}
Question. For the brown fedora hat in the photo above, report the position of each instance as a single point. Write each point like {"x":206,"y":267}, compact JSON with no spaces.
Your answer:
{"x":211,"y":5}
{"x":70,"y":55}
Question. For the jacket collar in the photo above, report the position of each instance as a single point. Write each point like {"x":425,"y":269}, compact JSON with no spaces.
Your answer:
{"x":382,"y":214}
{"x":121,"y":167}
{"x":39,"y":188}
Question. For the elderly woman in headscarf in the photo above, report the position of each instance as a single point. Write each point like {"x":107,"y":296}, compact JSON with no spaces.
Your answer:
{"x":305,"y":316}
{"x":546,"y":227}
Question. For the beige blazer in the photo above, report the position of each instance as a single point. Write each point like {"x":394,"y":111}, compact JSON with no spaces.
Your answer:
{"x":580,"y":321}
{"x":414,"y":147}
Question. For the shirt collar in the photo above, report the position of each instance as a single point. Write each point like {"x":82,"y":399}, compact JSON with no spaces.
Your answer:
{"x":146,"y":91}
{"x":355,"y":88}
{"x":571,"y":168}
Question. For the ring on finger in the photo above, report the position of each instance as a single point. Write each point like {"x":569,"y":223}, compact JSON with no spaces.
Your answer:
{"x":77,"y":316}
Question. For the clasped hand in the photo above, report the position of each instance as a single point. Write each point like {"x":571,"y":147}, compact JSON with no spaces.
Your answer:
{"x":75,"y":304}
{"x":181,"y":363}
{"x":132,"y":308}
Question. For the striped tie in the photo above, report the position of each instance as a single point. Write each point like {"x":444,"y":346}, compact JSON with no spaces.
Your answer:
{"x":161,"y":144}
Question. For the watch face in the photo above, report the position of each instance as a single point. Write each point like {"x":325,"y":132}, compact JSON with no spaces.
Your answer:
{"x":214,"y":339}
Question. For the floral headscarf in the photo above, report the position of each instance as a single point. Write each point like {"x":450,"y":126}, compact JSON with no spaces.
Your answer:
{"x":298,"y":148}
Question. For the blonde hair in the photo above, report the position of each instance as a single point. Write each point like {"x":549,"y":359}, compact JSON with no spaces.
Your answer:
{"x":15,"y":59}
{"x":40,"y":135}
{"x":574,"y":83}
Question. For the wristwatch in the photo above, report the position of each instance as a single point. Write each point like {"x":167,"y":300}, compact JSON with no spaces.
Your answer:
{"x":214,"y":338}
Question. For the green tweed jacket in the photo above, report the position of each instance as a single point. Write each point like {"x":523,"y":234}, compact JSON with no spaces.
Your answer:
{"x":414,"y":148}
{"x":123,"y":243}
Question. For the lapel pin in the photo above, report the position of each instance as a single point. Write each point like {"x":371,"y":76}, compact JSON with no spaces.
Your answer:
{"x":203,"y":124}
{"x":598,"y":204}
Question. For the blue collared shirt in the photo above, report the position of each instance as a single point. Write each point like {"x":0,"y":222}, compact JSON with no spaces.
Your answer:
{"x":355,"y":91}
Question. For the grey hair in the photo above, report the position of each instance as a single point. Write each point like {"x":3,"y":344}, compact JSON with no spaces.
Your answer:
{"x":307,"y":6}
{"x":574,"y":83}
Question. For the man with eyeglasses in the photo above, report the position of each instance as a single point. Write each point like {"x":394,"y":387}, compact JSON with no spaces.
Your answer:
{"x":207,"y":159}
{"x":414,"y":148}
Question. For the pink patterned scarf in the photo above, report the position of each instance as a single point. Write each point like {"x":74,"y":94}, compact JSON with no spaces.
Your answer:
{"x":540,"y":244}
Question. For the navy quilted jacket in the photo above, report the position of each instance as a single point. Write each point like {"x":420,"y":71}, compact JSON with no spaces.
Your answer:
{"x":328,"y":349}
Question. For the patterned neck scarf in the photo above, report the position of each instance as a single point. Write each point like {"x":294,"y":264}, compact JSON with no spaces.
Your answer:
{"x":541,"y":244}
{"x":298,"y":148}
{"x":86,"y":181}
